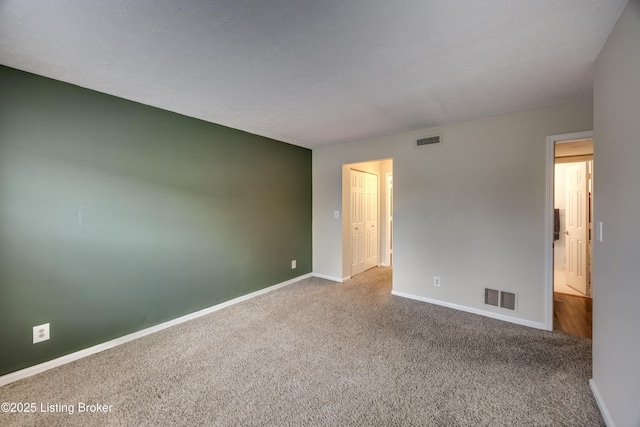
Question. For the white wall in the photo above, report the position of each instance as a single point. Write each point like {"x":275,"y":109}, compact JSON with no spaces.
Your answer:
{"x":616,"y":287}
{"x":471,"y":210}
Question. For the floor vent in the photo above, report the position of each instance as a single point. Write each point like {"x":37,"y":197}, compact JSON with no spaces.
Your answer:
{"x":500,"y":298}
{"x":429,"y":140}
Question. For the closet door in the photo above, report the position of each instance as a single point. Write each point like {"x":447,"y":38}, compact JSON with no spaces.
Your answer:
{"x":357,"y":221}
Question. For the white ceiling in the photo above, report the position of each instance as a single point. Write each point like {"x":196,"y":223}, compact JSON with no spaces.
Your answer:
{"x":316,"y":72}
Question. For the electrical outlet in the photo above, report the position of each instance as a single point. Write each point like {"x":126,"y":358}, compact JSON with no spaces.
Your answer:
{"x":40,"y":333}
{"x":336,"y":214}
{"x":436,"y":281}
{"x":293,"y":264}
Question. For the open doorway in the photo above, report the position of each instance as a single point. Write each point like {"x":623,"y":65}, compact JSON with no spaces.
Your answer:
{"x":572,"y":234}
{"x":366,"y":221}
{"x":573,"y":173}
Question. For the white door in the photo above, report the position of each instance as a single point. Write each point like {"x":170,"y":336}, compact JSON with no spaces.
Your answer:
{"x":357,"y":221}
{"x":371,"y":220}
{"x":576,"y":226}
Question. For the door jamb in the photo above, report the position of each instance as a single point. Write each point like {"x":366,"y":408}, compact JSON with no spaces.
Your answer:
{"x":548,"y":218}
{"x":389,"y":232}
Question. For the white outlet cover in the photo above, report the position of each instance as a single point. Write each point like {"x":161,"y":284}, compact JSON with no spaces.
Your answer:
{"x":40,"y":333}
{"x":293,"y":264}
{"x":436,"y":281}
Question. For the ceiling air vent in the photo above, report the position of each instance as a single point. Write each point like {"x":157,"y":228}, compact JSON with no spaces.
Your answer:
{"x":428,"y":140}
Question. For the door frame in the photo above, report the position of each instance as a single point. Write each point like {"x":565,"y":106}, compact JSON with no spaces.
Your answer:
{"x":548,"y":217}
{"x":388,"y":247}
{"x":345,"y":235}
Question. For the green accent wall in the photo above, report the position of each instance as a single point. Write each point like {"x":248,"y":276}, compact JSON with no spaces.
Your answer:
{"x":116,"y":216}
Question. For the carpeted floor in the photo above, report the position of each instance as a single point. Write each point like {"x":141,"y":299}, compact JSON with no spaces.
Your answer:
{"x":322,"y":353}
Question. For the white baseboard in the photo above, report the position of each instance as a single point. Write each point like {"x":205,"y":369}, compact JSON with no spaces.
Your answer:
{"x":36,"y":369}
{"x":324,"y":276}
{"x":523,"y":322}
{"x":603,"y":408}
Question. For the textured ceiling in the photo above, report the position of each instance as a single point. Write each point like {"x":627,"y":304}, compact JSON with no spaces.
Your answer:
{"x":316,"y":72}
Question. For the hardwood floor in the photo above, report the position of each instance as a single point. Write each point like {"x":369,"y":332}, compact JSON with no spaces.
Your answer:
{"x":572,"y":314}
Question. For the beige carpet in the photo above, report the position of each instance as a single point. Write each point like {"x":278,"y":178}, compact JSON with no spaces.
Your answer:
{"x":322,"y":353}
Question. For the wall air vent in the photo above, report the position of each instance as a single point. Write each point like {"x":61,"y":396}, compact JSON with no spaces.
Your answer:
{"x":491,"y":297}
{"x":500,"y":298}
{"x":508,"y":300}
{"x":429,"y":140}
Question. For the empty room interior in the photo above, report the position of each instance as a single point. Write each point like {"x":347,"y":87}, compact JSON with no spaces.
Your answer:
{"x":319,"y":213}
